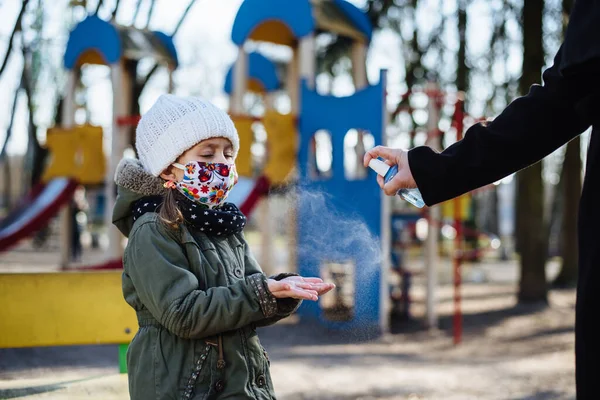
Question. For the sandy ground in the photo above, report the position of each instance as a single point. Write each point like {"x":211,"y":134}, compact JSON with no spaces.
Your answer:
{"x":507,"y":352}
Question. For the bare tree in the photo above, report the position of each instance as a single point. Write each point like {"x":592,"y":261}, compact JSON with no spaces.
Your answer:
{"x":571,"y":191}
{"x":4,"y":152}
{"x":530,"y":188}
{"x":150,"y":12}
{"x":138,"y":6}
{"x":139,"y":84}
{"x":100,"y":2}
{"x":16,"y":28}
{"x":36,"y":152}
{"x":151,"y":73}
{"x":116,"y":9}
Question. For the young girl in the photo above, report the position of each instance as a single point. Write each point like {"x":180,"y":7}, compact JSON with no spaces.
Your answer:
{"x":198,"y":292}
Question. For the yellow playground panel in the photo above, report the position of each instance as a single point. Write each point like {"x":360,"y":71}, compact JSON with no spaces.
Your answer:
{"x":66,"y":308}
{"x":282,"y":143}
{"x":76,"y":153}
{"x":243,"y":163}
{"x":465,"y":208}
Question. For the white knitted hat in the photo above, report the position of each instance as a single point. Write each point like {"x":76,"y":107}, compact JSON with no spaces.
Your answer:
{"x":175,"y":124}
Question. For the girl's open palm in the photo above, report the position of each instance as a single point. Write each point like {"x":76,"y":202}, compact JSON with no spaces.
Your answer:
{"x":300,"y":288}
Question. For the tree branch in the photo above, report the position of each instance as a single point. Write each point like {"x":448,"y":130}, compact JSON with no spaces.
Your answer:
{"x":137,"y":11}
{"x":183,"y":16}
{"x":116,"y":9}
{"x":16,"y":29}
{"x":150,"y":11}
{"x":9,"y":129}
{"x":147,"y":78}
{"x":98,"y":6}
{"x":29,"y":92}
{"x":155,"y":68}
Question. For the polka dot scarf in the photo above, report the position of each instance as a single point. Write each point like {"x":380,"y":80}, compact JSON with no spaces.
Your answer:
{"x":223,"y":221}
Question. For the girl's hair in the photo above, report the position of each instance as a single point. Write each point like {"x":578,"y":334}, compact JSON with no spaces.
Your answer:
{"x":170,"y":214}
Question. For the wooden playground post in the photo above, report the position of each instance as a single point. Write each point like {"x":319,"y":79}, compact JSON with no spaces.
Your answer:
{"x":121,"y":92}
{"x":240,"y":82}
{"x":171,"y":86}
{"x":359,"y":75}
{"x":68,"y":122}
{"x":359,"y":64}
{"x":386,"y":234}
{"x":265,"y":216}
{"x":292,"y":86}
{"x":432,"y":245}
{"x":302,"y":66}
{"x":457,"y":320}
{"x":307,"y":61}
{"x":292,"y":83}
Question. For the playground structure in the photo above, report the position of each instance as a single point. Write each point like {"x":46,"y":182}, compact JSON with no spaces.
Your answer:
{"x":291,"y":163}
{"x":297,"y":26}
{"x":68,"y":299}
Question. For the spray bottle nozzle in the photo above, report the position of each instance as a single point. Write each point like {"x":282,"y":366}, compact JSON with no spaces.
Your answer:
{"x":379,"y":166}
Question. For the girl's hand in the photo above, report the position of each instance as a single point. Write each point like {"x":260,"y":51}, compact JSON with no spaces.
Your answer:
{"x":315,"y":284}
{"x":285,"y":289}
{"x":300,"y":288}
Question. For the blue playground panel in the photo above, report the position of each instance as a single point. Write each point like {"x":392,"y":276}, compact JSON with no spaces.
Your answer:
{"x":167,"y":41}
{"x":357,"y":16}
{"x":326,"y":239}
{"x":101,"y":36}
{"x":260,"y":69}
{"x":93,"y":33}
{"x":297,"y":15}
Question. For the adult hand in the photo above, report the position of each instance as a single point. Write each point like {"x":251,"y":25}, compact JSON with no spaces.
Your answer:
{"x":403,"y":179}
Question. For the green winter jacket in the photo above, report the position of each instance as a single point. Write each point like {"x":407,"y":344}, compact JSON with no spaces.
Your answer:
{"x":198,"y":301}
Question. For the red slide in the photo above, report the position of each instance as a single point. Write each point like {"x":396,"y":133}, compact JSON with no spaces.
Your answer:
{"x":260,"y":189}
{"x":35,"y":211}
{"x":45,"y":201}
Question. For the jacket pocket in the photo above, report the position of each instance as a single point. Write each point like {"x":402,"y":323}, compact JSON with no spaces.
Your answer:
{"x":266,"y":375}
{"x":199,"y":378}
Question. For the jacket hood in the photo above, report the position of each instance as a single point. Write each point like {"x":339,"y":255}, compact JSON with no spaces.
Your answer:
{"x":133,"y":183}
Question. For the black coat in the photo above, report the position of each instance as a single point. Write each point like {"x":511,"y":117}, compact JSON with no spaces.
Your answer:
{"x":529,"y":129}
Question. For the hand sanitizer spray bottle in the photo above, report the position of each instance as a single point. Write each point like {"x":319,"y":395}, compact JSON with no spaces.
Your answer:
{"x":413,"y":196}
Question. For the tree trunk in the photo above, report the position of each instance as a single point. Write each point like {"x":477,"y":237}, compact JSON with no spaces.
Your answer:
{"x":462,"y":72}
{"x":4,"y":153}
{"x":493,"y":223}
{"x":554,"y":216}
{"x":16,"y":28}
{"x":571,"y":173}
{"x":136,"y":92}
{"x":35,"y":151}
{"x":530,"y":187}
{"x":572,"y":190}
{"x":462,"y":85}
{"x":131,"y":67}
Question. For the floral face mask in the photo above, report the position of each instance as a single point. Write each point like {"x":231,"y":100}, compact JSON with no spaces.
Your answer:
{"x":206,"y":183}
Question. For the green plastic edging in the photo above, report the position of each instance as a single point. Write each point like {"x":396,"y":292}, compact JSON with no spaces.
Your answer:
{"x":123,"y":358}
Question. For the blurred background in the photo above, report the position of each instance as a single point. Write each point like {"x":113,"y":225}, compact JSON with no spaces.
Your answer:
{"x":471,"y":299}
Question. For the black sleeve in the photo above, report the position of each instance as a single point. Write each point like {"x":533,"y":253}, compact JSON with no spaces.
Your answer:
{"x":582,"y":39}
{"x":529,"y":129}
